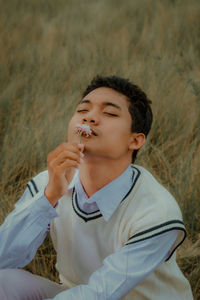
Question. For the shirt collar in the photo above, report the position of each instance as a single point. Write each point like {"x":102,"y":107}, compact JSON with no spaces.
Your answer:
{"x":110,"y":196}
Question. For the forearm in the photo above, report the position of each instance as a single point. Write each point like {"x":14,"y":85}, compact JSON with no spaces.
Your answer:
{"x":24,"y":230}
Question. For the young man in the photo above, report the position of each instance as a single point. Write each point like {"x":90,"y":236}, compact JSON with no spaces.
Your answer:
{"x":114,"y":227}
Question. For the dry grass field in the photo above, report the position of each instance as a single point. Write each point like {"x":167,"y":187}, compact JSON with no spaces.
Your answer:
{"x":50,"y":50}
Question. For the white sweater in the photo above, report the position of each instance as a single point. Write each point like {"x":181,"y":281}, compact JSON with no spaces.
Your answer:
{"x":148,"y":210}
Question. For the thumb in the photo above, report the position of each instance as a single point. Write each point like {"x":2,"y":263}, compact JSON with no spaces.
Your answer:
{"x":81,"y":147}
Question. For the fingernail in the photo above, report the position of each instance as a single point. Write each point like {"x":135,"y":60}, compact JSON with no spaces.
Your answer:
{"x":82,"y":154}
{"x":81,"y":160}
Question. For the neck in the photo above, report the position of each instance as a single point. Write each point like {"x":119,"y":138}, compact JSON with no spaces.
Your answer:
{"x":95,"y":174}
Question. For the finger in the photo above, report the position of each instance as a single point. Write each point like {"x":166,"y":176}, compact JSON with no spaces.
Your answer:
{"x":68,"y":163}
{"x":81,"y":147}
{"x":68,"y":155}
{"x":64,"y":156}
{"x":73,"y":147}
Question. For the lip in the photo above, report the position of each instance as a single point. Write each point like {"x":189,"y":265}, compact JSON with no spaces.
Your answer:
{"x":94,"y":132}
{"x":89,"y":136}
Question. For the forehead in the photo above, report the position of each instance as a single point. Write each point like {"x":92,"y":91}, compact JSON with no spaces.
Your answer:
{"x":103,"y":94}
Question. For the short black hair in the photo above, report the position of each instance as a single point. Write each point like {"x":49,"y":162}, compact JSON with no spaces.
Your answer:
{"x":139,"y":104}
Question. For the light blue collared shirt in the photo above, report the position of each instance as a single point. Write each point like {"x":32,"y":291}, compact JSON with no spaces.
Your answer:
{"x":108,"y":198}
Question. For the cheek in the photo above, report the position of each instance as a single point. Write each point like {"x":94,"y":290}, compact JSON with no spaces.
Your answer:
{"x":71,"y":127}
{"x":117,"y":141}
{"x":119,"y":132}
{"x":74,"y":120}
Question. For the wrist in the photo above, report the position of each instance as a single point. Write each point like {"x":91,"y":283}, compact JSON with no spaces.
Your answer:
{"x":51,"y":197}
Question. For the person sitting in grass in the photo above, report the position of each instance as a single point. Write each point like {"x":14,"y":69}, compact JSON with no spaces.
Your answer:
{"x":114,"y":227}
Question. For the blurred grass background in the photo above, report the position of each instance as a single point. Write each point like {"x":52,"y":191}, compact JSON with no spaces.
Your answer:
{"x":49,"y":52}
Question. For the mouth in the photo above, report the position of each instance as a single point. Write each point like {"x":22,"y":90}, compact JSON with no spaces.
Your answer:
{"x":94,"y":132}
{"x":85,"y":130}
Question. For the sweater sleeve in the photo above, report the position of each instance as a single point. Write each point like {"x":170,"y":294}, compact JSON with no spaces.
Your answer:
{"x":25,"y":228}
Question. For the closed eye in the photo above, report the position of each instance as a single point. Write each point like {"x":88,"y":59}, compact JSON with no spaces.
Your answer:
{"x":110,"y":114}
{"x":106,"y":113}
{"x":82,"y":110}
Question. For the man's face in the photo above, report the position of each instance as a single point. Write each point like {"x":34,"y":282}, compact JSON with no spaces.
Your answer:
{"x":106,"y":111}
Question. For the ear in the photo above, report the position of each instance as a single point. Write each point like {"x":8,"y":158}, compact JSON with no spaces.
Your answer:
{"x":137,"y":141}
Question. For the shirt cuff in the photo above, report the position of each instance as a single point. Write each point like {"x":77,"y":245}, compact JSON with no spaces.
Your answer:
{"x":43,"y":209}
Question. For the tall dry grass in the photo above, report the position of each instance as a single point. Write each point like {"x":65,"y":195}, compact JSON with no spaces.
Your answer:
{"x":50,"y":50}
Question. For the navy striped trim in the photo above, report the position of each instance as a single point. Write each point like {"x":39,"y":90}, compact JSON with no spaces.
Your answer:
{"x":134,"y":178}
{"x":85,"y":216}
{"x":30,"y":190}
{"x":97,"y":214}
{"x":185,"y":234}
{"x":157,"y":230}
{"x":34,"y":185}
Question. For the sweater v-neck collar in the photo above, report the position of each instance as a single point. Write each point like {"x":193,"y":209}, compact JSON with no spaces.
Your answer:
{"x":97,"y":214}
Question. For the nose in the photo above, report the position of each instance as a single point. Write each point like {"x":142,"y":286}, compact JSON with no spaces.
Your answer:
{"x":90,"y":119}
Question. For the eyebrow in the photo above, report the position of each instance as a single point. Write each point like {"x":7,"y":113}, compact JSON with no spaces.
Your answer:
{"x":104,"y":103}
